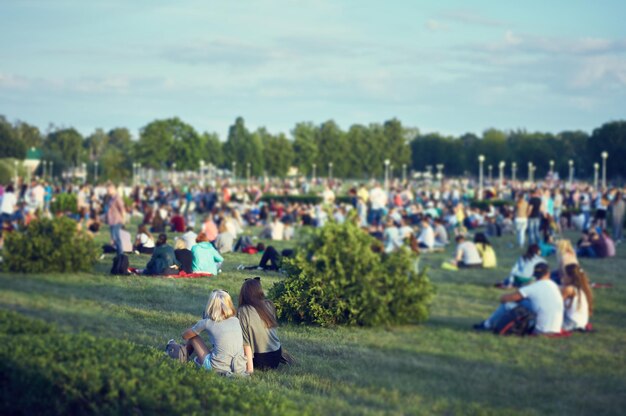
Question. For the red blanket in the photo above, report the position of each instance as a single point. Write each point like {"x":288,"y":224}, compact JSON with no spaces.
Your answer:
{"x":183,"y":275}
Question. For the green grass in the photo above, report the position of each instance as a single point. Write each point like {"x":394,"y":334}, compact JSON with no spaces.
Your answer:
{"x":439,"y":367}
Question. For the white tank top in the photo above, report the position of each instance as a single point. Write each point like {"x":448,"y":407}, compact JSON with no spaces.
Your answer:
{"x":576,"y":312}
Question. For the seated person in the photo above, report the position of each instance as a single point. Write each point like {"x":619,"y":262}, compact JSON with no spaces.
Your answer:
{"x":189,"y":238}
{"x":127,"y":245}
{"x":441,"y":234}
{"x":163,"y":260}
{"x":426,"y":238}
{"x":592,"y":245}
{"x":486,"y":251}
{"x":177,"y":222}
{"x":391,"y":237}
{"x":522,"y":271}
{"x":206,"y":259}
{"x":467,"y":255}
{"x":577,"y":298}
{"x":144,"y":242}
{"x":271,"y":256}
{"x":183,"y":256}
{"x":225,"y":239}
{"x":542,"y":297}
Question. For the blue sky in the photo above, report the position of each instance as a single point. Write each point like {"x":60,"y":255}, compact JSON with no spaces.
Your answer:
{"x":446,"y":66}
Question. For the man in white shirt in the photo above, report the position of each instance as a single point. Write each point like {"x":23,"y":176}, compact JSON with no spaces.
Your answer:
{"x":542,"y":297}
{"x":467,"y":255}
{"x":378,"y":201}
{"x":189,"y":238}
{"x":427,"y":235}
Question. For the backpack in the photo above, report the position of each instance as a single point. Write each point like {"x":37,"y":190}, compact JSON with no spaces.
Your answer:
{"x":120,"y":265}
{"x":518,"y":321}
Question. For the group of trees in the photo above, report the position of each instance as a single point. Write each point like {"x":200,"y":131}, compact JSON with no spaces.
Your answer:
{"x":358,"y":152}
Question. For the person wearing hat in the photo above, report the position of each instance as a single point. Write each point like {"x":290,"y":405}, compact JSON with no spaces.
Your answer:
{"x":543,"y":297}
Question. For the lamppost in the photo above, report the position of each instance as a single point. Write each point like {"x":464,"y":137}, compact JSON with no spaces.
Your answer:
{"x":95,"y":172}
{"x":604,"y":155}
{"x":404,"y":172}
{"x":501,"y":166}
{"x":330,"y":170}
{"x":530,"y":171}
{"x":313,"y":176}
{"x":52,"y":170}
{"x":571,"y":172}
{"x":596,"y":169}
{"x":481,"y":160}
{"x":552,"y":168}
{"x":173,"y":173}
{"x":387,"y":161}
{"x":490,"y":173}
{"x":201,"y":172}
{"x":440,"y":171}
{"x":233,"y":167}
{"x":248,"y":174}
{"x":513,"y":170}
{"x":16,"y":177}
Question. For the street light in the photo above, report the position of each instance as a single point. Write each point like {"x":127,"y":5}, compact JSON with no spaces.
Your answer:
{"x":571,"y":172}
{"x":387,"y":161}
{"x":404,"y":172}
{"x":248,"y":174}
{"x":313,"y":176}
{"x":530,"y":171}
{"x":501,"y":166}
{"x":51,"y":170}
{"x":604,"y":155}
{"x":330,"y":170}
{"x":596,"y":169}
{"x":201,"y":172}
{"x":16,"y":177}
{"x":490,"y":173}
{"x":481,"y":160}
{"x":440,"y":171}
{"x":513,"y":170}
{"x":552,"y":168}
{"x":233,"y":167}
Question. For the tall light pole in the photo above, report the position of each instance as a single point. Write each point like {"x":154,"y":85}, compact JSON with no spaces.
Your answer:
{"x":387,"y":161}
{"x":201,"y":172}
{"x":530,"y":171}
{"x":404,"y":172}
{"x":95,"y":171}
{"x":604,"y":155}
{"x":313,"y":176}
{"x":513,"y":171}
{"x":552,"y":168}
{"x":490,"y":173}
{"x":596,"y":169}
{"x":16,"y":176}
{"x":481,"y":160}
{"x":233,"y":174}
{"x":330,"y":170}
{"x":440,"y":167}
{"x":248,"y":174}
{"x":52,"y":170}
{"x":501,"y":166}
{"x":571,"y":172}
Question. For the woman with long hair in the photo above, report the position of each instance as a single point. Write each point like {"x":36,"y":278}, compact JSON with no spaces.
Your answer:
{"x":219,"y":320}
{"x":522,"y":272}
{"x":577,"y":298}
{"x":565,"y":255}
{"x":259,"y":326}
{"x":486,"y":251}
{"x":144,"y":241}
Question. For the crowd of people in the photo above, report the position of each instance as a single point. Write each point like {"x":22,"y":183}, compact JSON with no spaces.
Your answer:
{"x":424,"y":217}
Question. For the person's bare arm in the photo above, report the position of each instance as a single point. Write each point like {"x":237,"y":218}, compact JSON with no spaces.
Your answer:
{"x":511,"y":297}
{"x":249,"y":364}
{"x":188,"y":334}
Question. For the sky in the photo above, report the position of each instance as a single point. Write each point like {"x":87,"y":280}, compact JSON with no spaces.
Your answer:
{"x":441,"y":66}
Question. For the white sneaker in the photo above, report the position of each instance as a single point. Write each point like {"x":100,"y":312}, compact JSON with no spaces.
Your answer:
{"x":102,"y":257}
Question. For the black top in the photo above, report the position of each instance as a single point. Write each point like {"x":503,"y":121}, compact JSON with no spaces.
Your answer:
{"x":535,"y":205}
{"x":185,"y":258}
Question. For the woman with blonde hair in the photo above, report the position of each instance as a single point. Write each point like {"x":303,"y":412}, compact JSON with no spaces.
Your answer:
{"x":219,"y":320}
{"x":577,"y":298}
{"x":565,"y":255}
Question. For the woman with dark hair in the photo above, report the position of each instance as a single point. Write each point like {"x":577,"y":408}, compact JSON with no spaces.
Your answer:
{"x":577,"y":298}
{"x":486,"y":251}
{"x":522,"y":271}
{"x":163,"y":260}
{"x":144,"y":242}
{"x":257,"y":316}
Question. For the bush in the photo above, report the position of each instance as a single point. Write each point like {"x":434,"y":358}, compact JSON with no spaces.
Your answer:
{"x":63,"y":203}
{"x":49,"y":245}
{"x":287,"y":199}
{"x":338,"y":279}
{"x":61,"y":374}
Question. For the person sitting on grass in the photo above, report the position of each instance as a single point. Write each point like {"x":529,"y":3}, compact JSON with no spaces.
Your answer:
{"x":577,"y":297}
{"x":565,"y":255}
{"x":592,"y":245}
{"x":144,"y":242}
{"x":467,"y":255}
{"x":542,"y":297}
{"x":426,"y":238}
{"x":522,"y":271}
{"x":183,"y":256}
{"x":271,"y":260}
{"x":486,"y":251}
{"x":206,"y":259}
{"x":163,"y":260}
{"x":226,"y":356}
{"x":259,"y":325}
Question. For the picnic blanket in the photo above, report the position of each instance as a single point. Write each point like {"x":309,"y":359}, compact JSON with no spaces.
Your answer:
{"x":181,"y":274}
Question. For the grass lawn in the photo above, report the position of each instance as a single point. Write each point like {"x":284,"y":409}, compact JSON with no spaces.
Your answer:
{"x":439,"y":367}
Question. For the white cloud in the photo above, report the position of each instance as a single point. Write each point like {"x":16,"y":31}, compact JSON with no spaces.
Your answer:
{"x":511,"y":39}
{"x":435,"y":25}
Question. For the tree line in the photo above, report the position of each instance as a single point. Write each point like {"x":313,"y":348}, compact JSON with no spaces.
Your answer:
{"x":357,"y":152}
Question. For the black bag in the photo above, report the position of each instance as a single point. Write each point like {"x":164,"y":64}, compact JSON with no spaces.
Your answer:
{"x":518,"y":321}
{"x":120,"y":265}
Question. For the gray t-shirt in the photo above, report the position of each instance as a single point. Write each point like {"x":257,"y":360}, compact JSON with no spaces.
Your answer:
{"x":255,"y":334}
{"x":227,"y":344}
{"x":469,"y":252}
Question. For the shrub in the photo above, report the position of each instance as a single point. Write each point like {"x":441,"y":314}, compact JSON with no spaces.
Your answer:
{"x":300,"y":199}
{"x":338,"y":279}
{"x":49,"y":245}
{"x":68,"y":374}
{"x":63,"y":203}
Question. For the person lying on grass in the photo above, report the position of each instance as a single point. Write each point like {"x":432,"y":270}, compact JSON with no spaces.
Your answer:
{"x":543,"y":297}
{"x":259,"y":326}
{"x":226,"y":356}
{"x":578,"y":299}
{"x":271,"y":260}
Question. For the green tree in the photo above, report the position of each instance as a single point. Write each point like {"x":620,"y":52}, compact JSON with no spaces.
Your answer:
{"x":610,"y":138}
{"x":212,"y":149}
{"x":164,"y":143}
{"x":305,"y":147}
{"x":68,"y":144}
{"x":278,"y":152}
{"x":332,"y":148}
{"x":28,"y":134}
{"x":242,"y":147}
{"x":95,"y":144}
{"x":10,"y":144}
